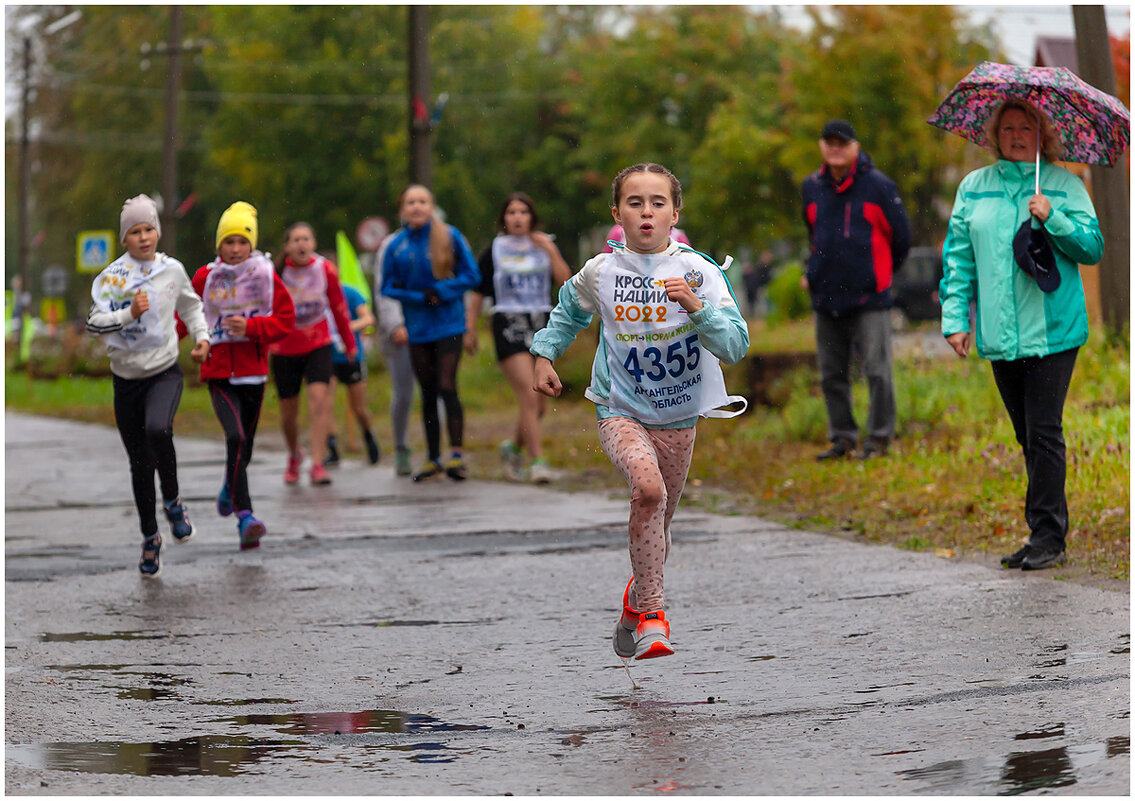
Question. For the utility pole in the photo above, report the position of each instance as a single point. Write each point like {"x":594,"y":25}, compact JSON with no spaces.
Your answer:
{"x":25,"y":167}
{"x":1109,"y":184}
{"x":169,"y":140}
{"x":419,"y":81}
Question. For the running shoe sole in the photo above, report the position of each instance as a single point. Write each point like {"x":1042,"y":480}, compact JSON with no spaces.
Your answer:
{"x":649,"y":647}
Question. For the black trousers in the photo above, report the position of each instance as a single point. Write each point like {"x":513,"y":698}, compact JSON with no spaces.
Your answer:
{"x":237,"y":407}
{"x":435,"y":365}
{"x":143,"y":411}
{"x":1033,"y":390}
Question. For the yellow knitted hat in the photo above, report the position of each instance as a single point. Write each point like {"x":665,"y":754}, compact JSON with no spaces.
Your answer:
{"x":239,"y":218}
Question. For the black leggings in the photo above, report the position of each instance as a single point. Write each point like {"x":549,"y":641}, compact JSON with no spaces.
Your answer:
{"x":237,"y":407}
{"x":144,"y":410}
{"x":435,"y":365}
{"x":1033,"y":390}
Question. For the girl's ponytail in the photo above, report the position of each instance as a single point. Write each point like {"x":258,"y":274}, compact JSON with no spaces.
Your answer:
{"x":441,"y":248}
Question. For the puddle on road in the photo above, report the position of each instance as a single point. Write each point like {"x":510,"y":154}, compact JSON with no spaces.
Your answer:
{"x":231,"y":755}
{"x":1020,"y":771}
{"x":86,"y":636}
{"x":371,"y":721}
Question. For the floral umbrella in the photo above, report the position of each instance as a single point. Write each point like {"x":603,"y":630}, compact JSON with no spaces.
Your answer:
{"x":1094,"y":126}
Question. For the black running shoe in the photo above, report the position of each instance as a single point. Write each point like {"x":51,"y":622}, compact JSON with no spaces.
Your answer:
{"x":150,"y":565}
{"x":178,"y":519}
{"x":373,"y":453}
{"x":332,"y":457}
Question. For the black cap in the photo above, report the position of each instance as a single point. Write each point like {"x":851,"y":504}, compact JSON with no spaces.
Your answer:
{"x":1034,"y":256}
{"x":840,"y":129}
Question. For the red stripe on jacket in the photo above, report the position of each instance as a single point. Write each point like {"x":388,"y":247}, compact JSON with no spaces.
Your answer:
{"x":880,"y":245}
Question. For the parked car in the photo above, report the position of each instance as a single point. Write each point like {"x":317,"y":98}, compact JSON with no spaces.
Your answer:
{"x":915,"y":285}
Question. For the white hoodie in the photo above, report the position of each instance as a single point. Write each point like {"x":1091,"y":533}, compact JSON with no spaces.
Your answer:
{"x":167,"y":285}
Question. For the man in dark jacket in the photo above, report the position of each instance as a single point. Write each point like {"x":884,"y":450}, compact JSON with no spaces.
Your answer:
{"x":859,"y":234}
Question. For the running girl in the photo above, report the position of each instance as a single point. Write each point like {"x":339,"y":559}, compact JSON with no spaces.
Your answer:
{"x":247,"y":306}
{"x":517,"y":271}
{"x":667,"y":315}
{"x":428,"y":267}
{"x":133,"y":305}
{"x":305,"y":354}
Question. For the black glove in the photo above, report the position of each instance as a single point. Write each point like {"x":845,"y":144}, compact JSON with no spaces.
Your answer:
{"x":433,"y":298}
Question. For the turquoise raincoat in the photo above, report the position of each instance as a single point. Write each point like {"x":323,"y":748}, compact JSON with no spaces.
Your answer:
{"x":1015,"y":318}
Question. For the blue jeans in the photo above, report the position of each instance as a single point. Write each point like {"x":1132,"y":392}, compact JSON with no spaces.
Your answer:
{"x":1033,"y":390}
{"x":868,"y":334}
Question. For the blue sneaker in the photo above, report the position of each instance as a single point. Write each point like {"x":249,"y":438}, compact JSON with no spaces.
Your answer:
{"x":178,"y":520}
{"x":224,"y":501}
{"x":150,"y":566}
{"x":250,"y":530}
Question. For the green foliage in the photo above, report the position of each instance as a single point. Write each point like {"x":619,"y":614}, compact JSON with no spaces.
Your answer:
{"x":789,"y":299}
{"x":303,"y":111}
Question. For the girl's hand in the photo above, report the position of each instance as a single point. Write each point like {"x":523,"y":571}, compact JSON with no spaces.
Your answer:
{"x":960,"y":343}
{"x":1040,"y":208}
{"x":543,"y":241}
{"x":400,"y":336}
{"x":140,"y":305}
{"x":235,"y":326}
{"x":544,"y":378}
{"x":471,"y":341}
{"x":200,"y":352}
{"x":678,"y":291}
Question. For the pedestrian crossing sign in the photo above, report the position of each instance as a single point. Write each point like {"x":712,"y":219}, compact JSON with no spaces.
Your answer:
{"x":93,"y":250}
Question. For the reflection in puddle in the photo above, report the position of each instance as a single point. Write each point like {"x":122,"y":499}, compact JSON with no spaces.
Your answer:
{"x":230,"y":755}
{"x":207,"y":755}
{"x":1019,"y":772}
{"x":84,"y":636}
{"x":375,"y":720}
{"x":1033,"y":770}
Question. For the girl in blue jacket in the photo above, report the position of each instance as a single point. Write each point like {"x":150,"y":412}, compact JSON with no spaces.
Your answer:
{"x":429,"y":267}
{"x":668,"y":315}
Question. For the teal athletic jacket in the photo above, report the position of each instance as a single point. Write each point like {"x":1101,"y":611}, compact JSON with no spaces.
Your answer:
{"x":1015,"y":319}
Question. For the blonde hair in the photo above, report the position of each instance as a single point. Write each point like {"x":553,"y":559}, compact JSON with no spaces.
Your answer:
{"x":1051,"y":148}
{"x":441,"y":239}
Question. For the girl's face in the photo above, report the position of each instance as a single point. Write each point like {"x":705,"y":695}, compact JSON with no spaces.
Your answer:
{"x":142,"y":242}
{"x":646,"y":212}
{"x":1016,"y":136}
{"x":234,"y":249}
{"x":300,"y":246}
{"x":417,"y":206}
{"x":517,"y":219}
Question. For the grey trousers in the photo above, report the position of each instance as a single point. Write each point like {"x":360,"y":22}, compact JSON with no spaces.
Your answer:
{"x":401,"y":387}
{"x":867,"y":334}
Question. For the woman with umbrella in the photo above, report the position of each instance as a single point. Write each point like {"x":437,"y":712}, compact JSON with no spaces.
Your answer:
{"x":1018,"y":231}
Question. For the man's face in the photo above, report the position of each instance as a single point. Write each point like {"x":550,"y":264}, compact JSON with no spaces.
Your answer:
{"x":839,"y":154}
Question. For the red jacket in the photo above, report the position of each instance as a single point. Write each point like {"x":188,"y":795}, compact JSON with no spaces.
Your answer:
{"x":301,"y":341}
{"x":235,"y":359}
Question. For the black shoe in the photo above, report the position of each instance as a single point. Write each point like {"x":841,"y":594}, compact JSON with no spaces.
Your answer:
{"x":150,"y":565}
{"x":874,"y":448}
{"x":1040,"y":558}
{"x":373,"y":454}
{"x":1015,"y":560}
{"x":178,"y":519}
{"x":430,"y":470}
{"x":839,"y":449}
{"x":455,"y":469}
{"x":332,"y":457}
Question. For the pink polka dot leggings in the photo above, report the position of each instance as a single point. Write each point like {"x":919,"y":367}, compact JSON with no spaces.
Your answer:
{"x":655,"y":464}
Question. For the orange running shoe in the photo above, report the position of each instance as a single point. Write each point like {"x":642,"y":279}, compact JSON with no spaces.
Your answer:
{"x":652,"y":636}
{"x":623,"y":638}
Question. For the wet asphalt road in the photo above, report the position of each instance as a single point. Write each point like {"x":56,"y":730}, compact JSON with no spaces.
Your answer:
{"x":391,"y":638}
